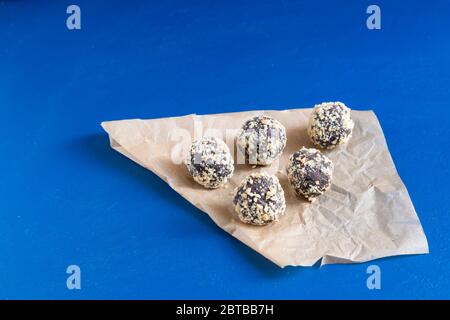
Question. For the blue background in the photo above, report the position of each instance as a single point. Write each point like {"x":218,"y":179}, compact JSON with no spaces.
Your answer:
{"x":67,"y":198}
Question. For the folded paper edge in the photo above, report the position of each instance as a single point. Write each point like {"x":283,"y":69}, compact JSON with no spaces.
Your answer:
{"x":426,"y":250}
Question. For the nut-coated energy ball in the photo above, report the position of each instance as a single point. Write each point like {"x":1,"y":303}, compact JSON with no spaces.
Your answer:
{"x":259,"y":199}
{"x":262,"y":140}
{"x":309,"y":172}
{"x":330,"y":125}
{"x":209,"y":162}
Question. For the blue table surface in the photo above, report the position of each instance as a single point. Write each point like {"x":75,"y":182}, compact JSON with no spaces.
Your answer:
{"x":68,"y":198}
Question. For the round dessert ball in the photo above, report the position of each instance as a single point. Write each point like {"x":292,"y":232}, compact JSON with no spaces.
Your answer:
{"x":259,"y":199}
{"x":330,"y":125}
{"x":262,"y":140}
{"x":309,"y":172}
{"x":209,"y":162}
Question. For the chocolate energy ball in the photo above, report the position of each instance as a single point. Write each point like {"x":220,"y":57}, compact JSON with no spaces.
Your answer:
{"x":262,"y":140}
{"x":330,"y":125}
{"x":209,"y":162}
{"x":259,"y":199}
{"x":309,"y":172}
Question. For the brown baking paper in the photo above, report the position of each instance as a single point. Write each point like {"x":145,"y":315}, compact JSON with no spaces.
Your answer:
{"x":365,"y":215}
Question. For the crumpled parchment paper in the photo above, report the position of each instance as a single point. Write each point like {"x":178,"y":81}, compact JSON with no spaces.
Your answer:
{"x":366,"y":214}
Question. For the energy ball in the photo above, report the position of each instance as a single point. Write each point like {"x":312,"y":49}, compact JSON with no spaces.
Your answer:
{"x":309,"y":172}
{"x":259,"y":199}
{"x":262,"y":140}
{"x":330,"y":125}
{"x":209,"y":162}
